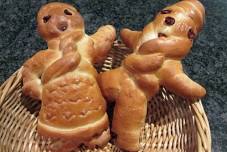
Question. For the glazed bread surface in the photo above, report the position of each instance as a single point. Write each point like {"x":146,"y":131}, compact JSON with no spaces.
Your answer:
{"x":64,"y":79}
{"x":156,"y":61}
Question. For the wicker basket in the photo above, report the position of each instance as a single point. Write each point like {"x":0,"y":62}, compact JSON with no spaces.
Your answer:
{"x":172,"y":124}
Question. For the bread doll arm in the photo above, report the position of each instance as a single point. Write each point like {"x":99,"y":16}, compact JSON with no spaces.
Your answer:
{"x":103,"y":40}
{"x":175,"y":80}
{"x":174,"y":47}
{"x":32,"y":71}
{"x":130,"y":38}
{"x":144,"y":63}
{"x":67,"y":43}
{"x":65,"y":64}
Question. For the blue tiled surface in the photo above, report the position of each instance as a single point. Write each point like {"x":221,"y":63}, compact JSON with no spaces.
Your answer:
{"x":207,"y":63}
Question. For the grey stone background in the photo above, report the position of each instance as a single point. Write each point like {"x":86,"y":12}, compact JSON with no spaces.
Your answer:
{"x":207,"y":63}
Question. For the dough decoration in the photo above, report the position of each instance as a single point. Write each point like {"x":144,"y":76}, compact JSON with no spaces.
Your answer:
{"x":156,"y":61}
{"x":64,"y":79}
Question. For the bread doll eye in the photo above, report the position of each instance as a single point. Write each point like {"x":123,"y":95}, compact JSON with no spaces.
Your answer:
{"x":191,"y":34}
{"x":46,"y":18}
{"x":67,"y":12}
{"x":166,"y":11}
{"x":169,"y":20}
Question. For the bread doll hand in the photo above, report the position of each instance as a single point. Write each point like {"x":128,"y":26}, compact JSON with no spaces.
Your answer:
{"x":144,"y":63}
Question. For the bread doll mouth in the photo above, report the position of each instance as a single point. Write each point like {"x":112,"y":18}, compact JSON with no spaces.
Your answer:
{"x":62,"y":26}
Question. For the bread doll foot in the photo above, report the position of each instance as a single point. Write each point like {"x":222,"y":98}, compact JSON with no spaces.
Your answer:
{"x":64,"y":146}
{"x":69,"y":145}
{"x":128,"y":144}
{"x":99,"y":140}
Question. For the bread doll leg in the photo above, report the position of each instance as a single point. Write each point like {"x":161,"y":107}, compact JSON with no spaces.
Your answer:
{"x":99,"y":140}
{"x":63,"y":146}
{"x":174,"y":79}
{"x":69,"y":145}
{"x":109,"y":83}
{"x":129,"y":116}
{"x":149,"y":83}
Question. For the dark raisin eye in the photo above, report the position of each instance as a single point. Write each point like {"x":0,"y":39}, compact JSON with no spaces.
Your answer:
{"x":169,"y":20}
{"x":166,"y":11}
{"x":161,"y":35}
{"x":191,"y":34}
{"x":46,"y":18}
{"x":67,"y":12}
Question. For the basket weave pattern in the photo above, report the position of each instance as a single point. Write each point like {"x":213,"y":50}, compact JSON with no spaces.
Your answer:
{"x":173,"y":124}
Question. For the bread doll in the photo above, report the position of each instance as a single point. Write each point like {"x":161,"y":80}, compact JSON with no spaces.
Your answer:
{"x":156,"y":61}
{"x":64,"y":79}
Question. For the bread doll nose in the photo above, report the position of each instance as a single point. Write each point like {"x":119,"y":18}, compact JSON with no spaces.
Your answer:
{"x":60,"y":22}
{"x":62,"y":26}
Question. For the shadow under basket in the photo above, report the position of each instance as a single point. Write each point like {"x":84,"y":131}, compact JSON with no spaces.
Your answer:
{"x":172,"y":124}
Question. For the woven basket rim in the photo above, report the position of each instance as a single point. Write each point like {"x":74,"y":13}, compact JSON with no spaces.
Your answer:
{"x":201,"y":121}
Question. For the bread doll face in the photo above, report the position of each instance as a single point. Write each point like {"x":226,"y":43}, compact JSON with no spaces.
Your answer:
{"x":55,"y":19}
{"x":170,"y":23}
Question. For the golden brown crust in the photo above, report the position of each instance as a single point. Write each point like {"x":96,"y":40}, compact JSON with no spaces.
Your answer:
{"x":170,"y":35}
{"x":135,"y":62}
{"x":195,"y":10}
{"x":148,"y":83}
{"x":52,"y":20}
{"x":130,"y":38}
{"x":169,"y":47}
{"x":110,"y":89}
{"x":69,"y":145}
{"x":32,"y":72}
{"x":175,"y":80}
{"x":67,"y":42}
{"x":103,"y":40}
{"x":79,"y":134}
{"x":67,"y":63}
{"x":64,"y":79}
{"x":130,"y":109}
{"x":99,"y":139}
{"x":72,"y":101}
{"x":155,"y":62}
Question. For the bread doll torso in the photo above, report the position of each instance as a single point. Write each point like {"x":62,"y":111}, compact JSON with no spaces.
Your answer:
{"x":74,"y":98}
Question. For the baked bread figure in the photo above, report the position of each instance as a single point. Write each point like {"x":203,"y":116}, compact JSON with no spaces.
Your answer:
{"x":156,"y":61}
{"x":64,"y":79}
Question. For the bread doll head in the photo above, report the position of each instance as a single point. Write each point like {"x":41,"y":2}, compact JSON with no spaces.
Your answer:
{"x":55,"y":19}
{"x":183,"y":19}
